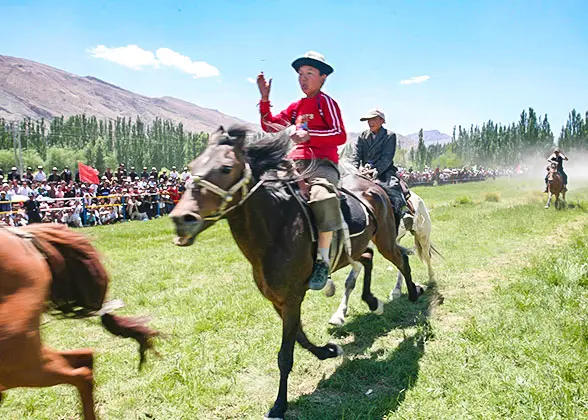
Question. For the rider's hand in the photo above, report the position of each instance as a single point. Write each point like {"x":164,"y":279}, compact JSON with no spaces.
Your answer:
{"x":300,"y":136}
{"x":264,"y":87}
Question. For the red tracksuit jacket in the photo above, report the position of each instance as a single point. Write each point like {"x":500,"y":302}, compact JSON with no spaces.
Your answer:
{"x":320,"y":116}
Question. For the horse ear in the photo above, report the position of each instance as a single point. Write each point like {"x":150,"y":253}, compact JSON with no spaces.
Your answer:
{"x":237,"y":134}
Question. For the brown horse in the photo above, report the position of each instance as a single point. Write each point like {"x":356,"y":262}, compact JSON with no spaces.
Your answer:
{"x":555,"y":187}
{"x":49,"y":262}
{"x":271,"y":229}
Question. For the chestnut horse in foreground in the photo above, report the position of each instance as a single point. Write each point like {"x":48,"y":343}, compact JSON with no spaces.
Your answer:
{"x":49,"y":263}
{"x":555,"y":187}
{"x":241,"y":181}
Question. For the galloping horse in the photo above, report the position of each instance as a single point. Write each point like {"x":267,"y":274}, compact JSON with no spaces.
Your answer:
{"x":270,"y":227}
{"x":421,"y":231}
{"x":49,"y":262}
{"x":555,"y":187}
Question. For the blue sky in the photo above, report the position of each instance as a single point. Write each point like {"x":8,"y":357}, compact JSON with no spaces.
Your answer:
{"x":484,"y":59}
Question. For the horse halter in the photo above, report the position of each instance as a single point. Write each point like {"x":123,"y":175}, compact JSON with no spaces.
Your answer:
{"x":227,"y":196}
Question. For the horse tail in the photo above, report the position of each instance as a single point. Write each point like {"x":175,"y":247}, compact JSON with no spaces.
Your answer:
{"x":436,"y":251}
{"x":80,"y":281}
{"x":128,"y":327}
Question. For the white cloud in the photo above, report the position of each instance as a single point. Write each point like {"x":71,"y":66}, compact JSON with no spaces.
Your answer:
{"x":415,"y":79}
{"x":130,"y":56}
{"x":176,"y":60}
{"x":136,"y":58}
{"x":251,"y":80}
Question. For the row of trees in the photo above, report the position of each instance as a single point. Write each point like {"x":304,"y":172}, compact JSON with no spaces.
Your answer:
{"x":499,"y":145}
{"x":103,"y":143}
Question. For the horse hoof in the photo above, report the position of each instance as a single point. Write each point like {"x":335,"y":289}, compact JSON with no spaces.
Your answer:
{"x":546,"y":207}
{"x":330,"y":288}
{"x":337,"y":321}
{"x":380,"y":309}
{"x":336,"y":349}
{"x":420,"y":289}
{"x":395,"y":294}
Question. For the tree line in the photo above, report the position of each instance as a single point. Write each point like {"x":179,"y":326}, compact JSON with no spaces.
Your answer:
{"x":498,"y":145}
{"x":163,"y":143}
{"x":100,"y":143}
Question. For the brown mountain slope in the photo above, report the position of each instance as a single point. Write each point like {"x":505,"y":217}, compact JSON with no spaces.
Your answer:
{"x":30,"y":89}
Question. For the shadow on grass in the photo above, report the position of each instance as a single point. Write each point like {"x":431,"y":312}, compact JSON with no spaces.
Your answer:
{"x":388,"y":374}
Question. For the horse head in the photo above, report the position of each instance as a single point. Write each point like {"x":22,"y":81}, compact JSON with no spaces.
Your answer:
{"x":219,"y":178}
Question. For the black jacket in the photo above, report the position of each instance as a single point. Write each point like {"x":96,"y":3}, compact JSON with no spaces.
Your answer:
{"x":378,"y":151}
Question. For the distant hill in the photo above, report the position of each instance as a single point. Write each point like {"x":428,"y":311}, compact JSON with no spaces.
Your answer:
{"x":430,"y":137}
{"x":30,"y":89}
{"x":412,"y":140}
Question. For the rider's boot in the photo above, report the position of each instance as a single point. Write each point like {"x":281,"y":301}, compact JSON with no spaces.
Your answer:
{"x":320,"y":270}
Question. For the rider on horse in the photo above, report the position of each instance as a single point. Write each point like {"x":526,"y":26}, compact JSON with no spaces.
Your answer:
{"x":557,"y":158}
{"x":319,"y":130}
{"x":376,"y":147}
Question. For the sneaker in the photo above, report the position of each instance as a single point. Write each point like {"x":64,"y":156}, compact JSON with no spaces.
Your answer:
{"x":319,"y":276}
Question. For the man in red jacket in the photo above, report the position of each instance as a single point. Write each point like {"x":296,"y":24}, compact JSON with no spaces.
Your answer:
{"x":319,"y":130}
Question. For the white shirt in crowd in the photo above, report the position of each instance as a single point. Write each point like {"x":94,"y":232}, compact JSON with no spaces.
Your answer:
{"x":40,"y":176}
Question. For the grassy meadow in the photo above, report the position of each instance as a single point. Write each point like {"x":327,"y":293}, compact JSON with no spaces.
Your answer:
{"x":502,"y":333}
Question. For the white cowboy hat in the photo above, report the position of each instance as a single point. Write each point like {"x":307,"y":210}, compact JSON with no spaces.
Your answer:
{"x":313,"y":59}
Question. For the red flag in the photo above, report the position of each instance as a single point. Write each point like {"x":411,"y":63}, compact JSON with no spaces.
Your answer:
{"x":88,"y":174}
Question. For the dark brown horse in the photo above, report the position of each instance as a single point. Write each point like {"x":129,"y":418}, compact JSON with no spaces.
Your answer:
{"x":555,"y":187}
{"x":236,"y":180}
{"x":50,"y":263}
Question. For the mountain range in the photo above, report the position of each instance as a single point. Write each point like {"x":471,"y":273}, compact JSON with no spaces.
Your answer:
{"x":35,"y":90}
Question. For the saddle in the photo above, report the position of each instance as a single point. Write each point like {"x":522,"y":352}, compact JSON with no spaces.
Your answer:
{"x":400,"y":186}
{"x":355,"y":216}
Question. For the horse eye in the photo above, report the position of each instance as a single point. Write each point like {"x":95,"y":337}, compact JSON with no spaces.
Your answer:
{"x":226,"y":169}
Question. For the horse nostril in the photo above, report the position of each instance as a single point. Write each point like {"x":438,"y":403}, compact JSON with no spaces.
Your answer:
{"x":190,"y":219}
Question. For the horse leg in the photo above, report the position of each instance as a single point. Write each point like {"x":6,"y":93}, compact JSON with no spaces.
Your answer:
{"x":324,"y":352}
{"x":397,"y":256}
{"x":397,"y":291}
{"x":375,"y":304}
{"x":548,"y":200}
{"x":329,"y":289}
{"x":290,"y":313}
{"x":55,"y":369}
{"x":338,"y":317}
{"x":424,"y":253}
{"x":79,"y":358}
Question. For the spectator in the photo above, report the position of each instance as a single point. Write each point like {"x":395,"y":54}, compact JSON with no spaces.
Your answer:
{"x":66,"y":175}
{"x":54,"y":177}
{"x":40,"y":176}
{"x":32,"y":209}
{"x":13,"y":175}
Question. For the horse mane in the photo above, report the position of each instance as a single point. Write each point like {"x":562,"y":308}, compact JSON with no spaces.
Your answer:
{"x":80,"y":280}
{"x":264,"y":151}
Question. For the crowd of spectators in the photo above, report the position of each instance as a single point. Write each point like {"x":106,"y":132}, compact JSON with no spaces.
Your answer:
{"x":439,"y":176}
{"x":61,"y":197}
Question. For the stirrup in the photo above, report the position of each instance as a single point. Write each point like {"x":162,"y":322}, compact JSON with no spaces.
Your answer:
{"x":320,"y":274}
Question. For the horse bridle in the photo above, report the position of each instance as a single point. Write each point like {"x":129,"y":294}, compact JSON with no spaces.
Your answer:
{"x":227,"y":195}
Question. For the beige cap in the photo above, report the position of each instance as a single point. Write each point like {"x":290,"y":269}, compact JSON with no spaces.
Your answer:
{"x":373,"y":113}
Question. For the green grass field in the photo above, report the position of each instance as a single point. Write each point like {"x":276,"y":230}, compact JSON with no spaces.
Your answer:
{"x":503,"y":333}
